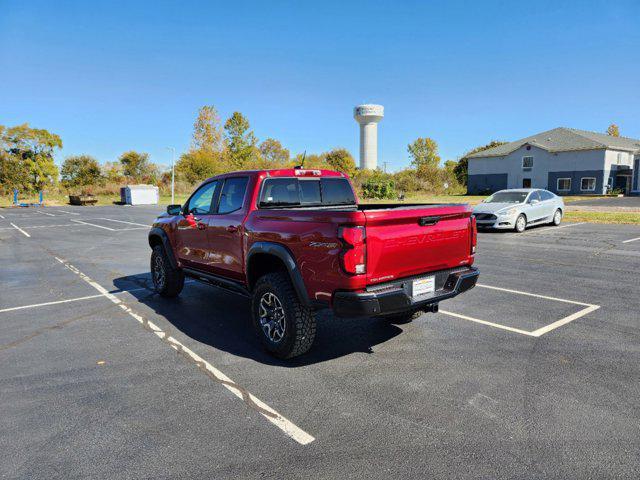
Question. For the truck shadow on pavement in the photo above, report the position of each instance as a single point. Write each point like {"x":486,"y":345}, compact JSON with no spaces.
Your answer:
{"x":222,"y":319}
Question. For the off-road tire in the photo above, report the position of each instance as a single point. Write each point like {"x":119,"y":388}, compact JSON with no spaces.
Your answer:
{"x":170,"y":285}
{"x":557,"y":218}
{"x":521,"y":224}
{"x":403,"y":317}
{"x":299,"y":320}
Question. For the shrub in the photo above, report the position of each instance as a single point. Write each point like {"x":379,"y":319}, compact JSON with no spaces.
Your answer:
{"x":378,"y":188}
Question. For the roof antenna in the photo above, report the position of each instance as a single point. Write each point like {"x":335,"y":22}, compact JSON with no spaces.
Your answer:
{"x":298,"y":167}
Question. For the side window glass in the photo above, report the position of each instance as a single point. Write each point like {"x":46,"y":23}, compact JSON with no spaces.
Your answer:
{"x":232,"y":195}
{"x":534,"y":196}
{"x":200,"y":203}
{"x":544,"y":195}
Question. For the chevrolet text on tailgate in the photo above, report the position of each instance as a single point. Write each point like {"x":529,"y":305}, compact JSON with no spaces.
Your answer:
{"x":296,"y":241}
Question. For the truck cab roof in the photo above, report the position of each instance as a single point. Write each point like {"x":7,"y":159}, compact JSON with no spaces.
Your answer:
{"x":283,"y":172}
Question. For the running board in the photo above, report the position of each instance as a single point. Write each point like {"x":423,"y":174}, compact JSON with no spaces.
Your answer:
{"x":216,"y":281}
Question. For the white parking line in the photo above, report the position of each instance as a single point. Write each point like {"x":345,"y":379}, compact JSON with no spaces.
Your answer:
{"x":70,"y":213}
{"x":570,"y":318}
{"x":546,"y":231}
{"x":93,"y":225}
{"x":631,"y":240}
{"x":540,"y":331}
{"x":22,"y":307}
{"x":484,"y":322}
{"x":77,"y":299}
{"x":56,"y":302}
{"x":289,"y":428}
{"x":122,"y":221}
{"x":20,"y":230}
{"x":45,"y":213}
{"x":519,"y":292}
{"x":2,"y":217}
{"x":44,"y":226}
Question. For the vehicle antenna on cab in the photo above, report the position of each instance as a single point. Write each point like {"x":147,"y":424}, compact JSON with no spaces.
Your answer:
{"x":298,"y":167}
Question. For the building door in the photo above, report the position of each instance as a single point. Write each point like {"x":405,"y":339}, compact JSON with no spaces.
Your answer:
{"x":526,"y":183}
{"x":623,"y":182}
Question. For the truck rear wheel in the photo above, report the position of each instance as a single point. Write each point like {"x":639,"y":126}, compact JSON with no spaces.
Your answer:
{"x":285,"y":326}
{"x":167,"y":281}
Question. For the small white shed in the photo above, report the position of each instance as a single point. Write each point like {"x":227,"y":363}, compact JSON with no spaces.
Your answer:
{"x":139,"y":195}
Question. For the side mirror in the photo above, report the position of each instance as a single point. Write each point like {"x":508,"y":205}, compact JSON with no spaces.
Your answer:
{"x":174,"y":209}
{"x":534,"y":201}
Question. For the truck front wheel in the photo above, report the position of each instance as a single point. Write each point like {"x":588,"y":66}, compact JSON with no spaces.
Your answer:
{"x":167,"y":281}
{"x":285,"y":326}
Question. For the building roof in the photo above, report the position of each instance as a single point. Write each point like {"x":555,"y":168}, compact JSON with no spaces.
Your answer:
{"x":564,"y":139}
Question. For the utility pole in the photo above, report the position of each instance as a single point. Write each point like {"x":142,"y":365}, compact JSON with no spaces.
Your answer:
{"x":173,"y":174}
{"x":384,"y":166}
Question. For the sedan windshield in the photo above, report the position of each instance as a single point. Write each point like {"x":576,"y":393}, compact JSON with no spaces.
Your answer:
{"x":507,"y":197}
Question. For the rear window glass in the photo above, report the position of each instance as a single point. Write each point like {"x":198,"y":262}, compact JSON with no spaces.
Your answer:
{"x":309,"y":191}
{"x":336,"y":191}
{"x":306,"y":192}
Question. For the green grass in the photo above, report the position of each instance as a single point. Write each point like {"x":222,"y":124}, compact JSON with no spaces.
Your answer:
{"x":575,"y":198}
{"x":61,"y":199}
{"x":603,"y":217}
{"x":470,"y":199}
{"x":180,"y":198}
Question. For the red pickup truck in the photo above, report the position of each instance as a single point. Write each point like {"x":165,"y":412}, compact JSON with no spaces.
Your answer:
{"x":296,"y":241}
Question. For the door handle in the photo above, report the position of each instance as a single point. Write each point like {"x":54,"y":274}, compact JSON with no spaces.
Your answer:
{"x":232,"y":229}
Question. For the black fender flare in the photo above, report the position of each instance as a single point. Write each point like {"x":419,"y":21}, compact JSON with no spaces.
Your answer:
{"x":283,"y":253}
{"x":157,"y":232}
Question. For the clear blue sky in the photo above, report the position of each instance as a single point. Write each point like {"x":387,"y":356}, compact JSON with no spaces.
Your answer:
{"x":116,"y":75}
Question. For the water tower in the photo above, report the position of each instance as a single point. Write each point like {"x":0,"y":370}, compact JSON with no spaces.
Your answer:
{"x":368,"y":116}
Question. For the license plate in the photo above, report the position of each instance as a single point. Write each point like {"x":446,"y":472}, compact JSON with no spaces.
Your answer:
{"x":424,"y":286}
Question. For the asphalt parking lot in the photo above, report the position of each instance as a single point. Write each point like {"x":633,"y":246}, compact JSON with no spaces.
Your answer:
{"x":533,"y":374}
{"x":625,"y":202}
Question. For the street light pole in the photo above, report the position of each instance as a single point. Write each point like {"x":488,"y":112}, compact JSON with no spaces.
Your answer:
{"x":173,"y":174}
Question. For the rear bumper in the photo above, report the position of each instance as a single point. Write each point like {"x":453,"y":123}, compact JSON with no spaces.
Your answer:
{"x":396,"y":297}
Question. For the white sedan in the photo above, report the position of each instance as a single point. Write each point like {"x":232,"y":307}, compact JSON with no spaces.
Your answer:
{"x":519,"y":208}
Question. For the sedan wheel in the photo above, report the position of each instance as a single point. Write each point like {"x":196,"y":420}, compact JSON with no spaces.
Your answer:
{"x":557,"y":217}
{"x":521,"y":224}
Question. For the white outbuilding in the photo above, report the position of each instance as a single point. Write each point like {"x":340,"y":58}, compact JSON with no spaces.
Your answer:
{"x":139,"y":195}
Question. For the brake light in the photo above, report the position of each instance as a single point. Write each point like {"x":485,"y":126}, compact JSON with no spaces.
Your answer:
{"x":353,"y":257}
{"x":307,"y":173}
{"x":474,"y":234}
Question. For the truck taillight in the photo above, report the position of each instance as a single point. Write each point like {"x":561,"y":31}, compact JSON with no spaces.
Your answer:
{"x":353,"y":257}
{"x":474,"y":234}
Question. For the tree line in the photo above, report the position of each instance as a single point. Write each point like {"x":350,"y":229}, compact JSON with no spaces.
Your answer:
{"x":27,"y":162}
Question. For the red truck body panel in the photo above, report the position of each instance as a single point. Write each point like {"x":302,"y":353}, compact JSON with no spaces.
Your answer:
{"x":401,"y":240}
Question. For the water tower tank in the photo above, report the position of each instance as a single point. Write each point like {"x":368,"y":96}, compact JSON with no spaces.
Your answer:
{"x":368,"y":116}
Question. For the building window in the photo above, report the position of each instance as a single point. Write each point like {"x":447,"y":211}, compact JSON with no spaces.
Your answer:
{"x":588,"y":184}
{"x":527,"y":163}
{"x":619,"y":160}
{"x":564,"y":184}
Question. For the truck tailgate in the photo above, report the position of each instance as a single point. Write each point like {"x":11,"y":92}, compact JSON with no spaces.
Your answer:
{"x":403,"y":242}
